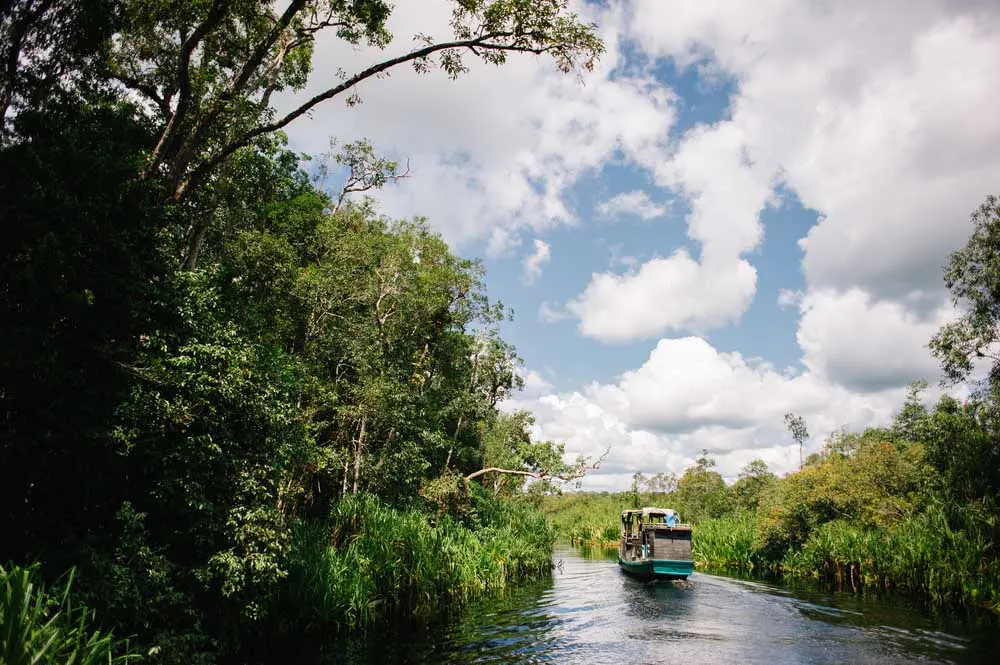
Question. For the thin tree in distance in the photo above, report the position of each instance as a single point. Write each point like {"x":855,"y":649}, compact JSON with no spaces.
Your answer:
{"x":797,"y":426}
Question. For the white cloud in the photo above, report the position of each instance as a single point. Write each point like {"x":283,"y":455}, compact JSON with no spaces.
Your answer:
{"x":534,"y":383}
{"x":688,"y":396}
{"x":533,"y":263}
{"x":864,"y":344}
{"x":726,"y":196}
{"x":636,"y":202}
{"x":789,"y":298}
{"x":882,"y":116}
{"x":672,"y":293}
{"x":548,"y":313}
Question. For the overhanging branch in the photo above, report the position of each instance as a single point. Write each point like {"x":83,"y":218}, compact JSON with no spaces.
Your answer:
{"x":578,"y":472}
{"x":487,"y":41}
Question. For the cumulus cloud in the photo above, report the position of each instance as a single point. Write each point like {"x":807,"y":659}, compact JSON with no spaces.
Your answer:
{"x":670,"y":293}
{"x":726,"y":196}
{"x":881,"y":116}
{"x":636,"y":203}
{"x":865,"y":344}
{"x":688,"y":396}
{"x":534,"y":382}
{"x":534,"y":262}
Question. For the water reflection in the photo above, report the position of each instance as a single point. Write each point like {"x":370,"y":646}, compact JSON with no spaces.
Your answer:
{"x":590,"y":612}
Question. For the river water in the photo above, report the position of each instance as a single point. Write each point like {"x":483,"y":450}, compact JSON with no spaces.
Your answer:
{"x":591,"y":612}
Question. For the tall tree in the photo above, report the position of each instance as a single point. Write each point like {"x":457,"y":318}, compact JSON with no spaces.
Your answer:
{"x":797,"y":427}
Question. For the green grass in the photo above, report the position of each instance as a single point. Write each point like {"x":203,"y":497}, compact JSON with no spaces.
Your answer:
{"x":727,"y":542}
{"x":372,"y":560}
{"x":39,"y":627}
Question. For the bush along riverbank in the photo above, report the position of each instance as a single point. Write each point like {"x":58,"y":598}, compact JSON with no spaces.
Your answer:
{"x":911,"y":507}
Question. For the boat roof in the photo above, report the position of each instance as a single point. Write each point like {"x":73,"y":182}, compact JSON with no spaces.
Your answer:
{"x":649,"y":511}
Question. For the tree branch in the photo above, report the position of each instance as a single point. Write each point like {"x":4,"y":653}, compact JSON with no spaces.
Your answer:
{"x":134,"y":84}
{"x":579,"y":472}
{"x":183,"y":79}
{"x":202,"y":171}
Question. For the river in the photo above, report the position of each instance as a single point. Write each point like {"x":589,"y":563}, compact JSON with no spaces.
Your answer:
{"x":590,"y":612}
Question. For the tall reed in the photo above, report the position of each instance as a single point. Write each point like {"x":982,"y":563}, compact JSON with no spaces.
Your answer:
{"x":38,"y":627}
{"x":372,"y":560}
{"x":727,"y":542}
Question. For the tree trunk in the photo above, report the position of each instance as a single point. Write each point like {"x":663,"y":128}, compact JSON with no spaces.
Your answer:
{"x":343,"y":489}
{"x":358,"y":451}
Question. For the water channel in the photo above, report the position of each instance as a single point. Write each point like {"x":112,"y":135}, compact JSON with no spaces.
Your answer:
{"x":590,"y":612}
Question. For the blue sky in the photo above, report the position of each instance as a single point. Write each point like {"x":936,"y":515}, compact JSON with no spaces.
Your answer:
{"x":742,"y":211}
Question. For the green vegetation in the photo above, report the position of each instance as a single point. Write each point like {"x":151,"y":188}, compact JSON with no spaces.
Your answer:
{"x":377,"y":560}
{"x":225,"y":384}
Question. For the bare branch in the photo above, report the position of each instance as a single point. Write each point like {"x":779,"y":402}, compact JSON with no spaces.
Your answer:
{"x":578,"y":472}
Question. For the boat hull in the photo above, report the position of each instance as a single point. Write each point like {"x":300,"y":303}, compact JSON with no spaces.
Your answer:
{"x":660,"y":569}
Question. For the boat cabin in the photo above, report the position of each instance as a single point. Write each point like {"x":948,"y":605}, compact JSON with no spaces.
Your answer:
{"x":654,"y":534}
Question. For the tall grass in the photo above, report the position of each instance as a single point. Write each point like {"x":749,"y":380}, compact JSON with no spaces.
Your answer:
{"x":372,"y":560}
{"x":727,"y":542}
{"x":950,"y":561}
{"x":587,"y":519}
{"x":38,"y":627}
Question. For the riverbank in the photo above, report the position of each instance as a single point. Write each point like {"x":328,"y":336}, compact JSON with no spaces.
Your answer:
{"x":373,"y":561}
{"x":367,"y":563}
{"x":923,"y":556}
{"x":910,"y":508}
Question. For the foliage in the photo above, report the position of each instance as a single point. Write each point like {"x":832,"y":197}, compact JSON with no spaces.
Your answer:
{"x":701,"y":492}
{"x":797,"y":428}
{"x":41,"y":627}
{"x":754,"y":482}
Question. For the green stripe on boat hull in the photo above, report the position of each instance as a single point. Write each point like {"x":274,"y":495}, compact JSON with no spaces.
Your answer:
{"x":664,"y":569}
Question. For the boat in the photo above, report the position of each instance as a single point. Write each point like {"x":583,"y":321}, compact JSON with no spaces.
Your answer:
{"x":655,"y":544}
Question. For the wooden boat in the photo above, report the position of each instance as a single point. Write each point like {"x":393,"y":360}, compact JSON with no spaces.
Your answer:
{"x":655,"y":545}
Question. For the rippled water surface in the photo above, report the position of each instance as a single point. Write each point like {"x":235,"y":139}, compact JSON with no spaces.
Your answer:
{"x":590,"y":612}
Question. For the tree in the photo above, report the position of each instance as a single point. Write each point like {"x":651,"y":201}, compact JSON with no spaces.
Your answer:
{"x":662,"y":483}
{"x":973,"y":278}
{"x":797,"y":426}
{"x":41,"y":42}
{"x":702,"y":492}
{"x":755,"y":478}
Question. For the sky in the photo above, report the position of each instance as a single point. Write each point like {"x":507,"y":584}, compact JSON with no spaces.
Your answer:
{"x":743,"y":211}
